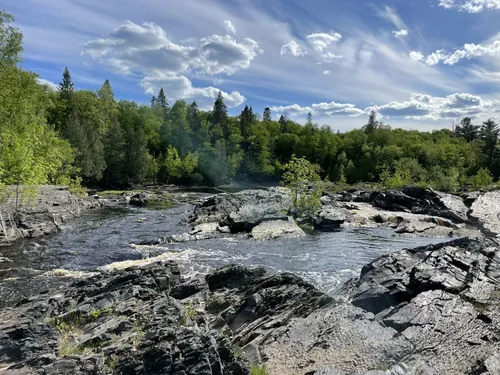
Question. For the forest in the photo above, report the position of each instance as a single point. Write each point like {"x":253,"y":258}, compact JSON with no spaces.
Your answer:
{"x":81,"y":137}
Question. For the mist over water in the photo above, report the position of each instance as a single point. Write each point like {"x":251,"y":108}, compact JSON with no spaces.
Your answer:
{"x":103,"y":238}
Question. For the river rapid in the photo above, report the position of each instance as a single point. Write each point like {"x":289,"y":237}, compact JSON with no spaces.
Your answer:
{"x":103,"y":238}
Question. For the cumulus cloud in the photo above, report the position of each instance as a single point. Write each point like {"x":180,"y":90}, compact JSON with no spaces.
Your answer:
{"x":183,"y":87}
{"x":326,"y":72}
{"x":436,"y":57}
{"x":469,"y":51}
{"x":229,"y":26}
{"x":320,"y":109}
{"x":470,"y":6}
{"x":292,"y":48}
{"x":320,"y":41}
{"x":416,"y":56}
{"x":146,"y":50}
{"x":426,"y":107}
{"x":400,"y":33}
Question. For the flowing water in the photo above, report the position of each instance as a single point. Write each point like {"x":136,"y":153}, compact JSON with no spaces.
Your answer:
{"x":104,"y":238}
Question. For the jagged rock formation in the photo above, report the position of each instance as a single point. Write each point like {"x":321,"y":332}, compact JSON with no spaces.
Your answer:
{"x":430,"y":310}
{"x":53,"y":206}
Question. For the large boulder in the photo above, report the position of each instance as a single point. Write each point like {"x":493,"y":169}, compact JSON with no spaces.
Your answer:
{"x":244,"y":210}
{"x":277,"y":229}
{"x":485,"y":211}
{"x":330,"y":218}
{"x":420,"y":200}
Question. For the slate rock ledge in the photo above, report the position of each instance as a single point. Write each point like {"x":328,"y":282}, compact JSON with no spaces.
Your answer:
{"x":429,"y":310}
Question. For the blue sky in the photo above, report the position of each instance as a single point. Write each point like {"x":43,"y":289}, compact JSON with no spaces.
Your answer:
{"x":420,"y":64}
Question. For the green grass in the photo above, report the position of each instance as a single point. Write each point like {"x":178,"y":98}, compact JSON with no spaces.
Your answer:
{"x":258,"y":370}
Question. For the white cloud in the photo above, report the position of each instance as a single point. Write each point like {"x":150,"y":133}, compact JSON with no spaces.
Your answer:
{"x":330,"y":57}
{"x":331,"y":109}
{"x":224,"y":55}
{"x":229,"y":26}
{"x":292,"y":48}
{"x":427,"y":107}
{"x":147,"y":50}
{"x":183,"y":88}
{"x":400,"y":33}
{"x":53,"y":86}
{"x":469,"y":51}
{"x":436,"y":57}
{"x":392,"y":16}
{"x":416,"y":56}
{"x":320,"y":41}
{"x":470,"y":6}
{"x":326,"y":72}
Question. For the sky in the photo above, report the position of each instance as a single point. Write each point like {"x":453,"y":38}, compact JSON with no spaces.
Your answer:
{"x":421,"y":64}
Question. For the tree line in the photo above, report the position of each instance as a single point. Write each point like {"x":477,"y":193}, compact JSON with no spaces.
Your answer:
{"x":71,"y":136}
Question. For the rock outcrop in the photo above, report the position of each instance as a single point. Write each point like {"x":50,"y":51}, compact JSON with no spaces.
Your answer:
{"x":429,"y":310}
{"x":485,"y":212}
{"x":121,"y":323}
{"x":45,"y":214}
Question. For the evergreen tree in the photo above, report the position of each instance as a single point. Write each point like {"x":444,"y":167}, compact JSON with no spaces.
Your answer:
{"x":194,"y":123}
{"x":372,"y":123}
{"x":489,"y":135}
{"x":66,"y":87}
{"x":108,"y":108}
{"x":162,"y":99}
{"x":246,"y":121}
{"x":309,"y":119}
{"x":219,"y":117}
{"x":467,"y":130}
{"x":267,"y":114}
{"x":282,"y":121}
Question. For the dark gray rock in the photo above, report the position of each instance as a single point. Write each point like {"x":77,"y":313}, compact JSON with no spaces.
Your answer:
{"x":243,"y":211}
{"x":120,"y":323}
{"x":330,"y":218}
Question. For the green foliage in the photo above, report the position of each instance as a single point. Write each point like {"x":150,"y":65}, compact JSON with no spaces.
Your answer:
{"x":76,"y":137}
{"x":482,"y":179}
{"x":11,"y":40}
{"x":258,"y":370}
{"x":299,"y":174}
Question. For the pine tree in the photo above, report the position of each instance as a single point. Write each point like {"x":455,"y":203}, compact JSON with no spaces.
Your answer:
{"x":489,"y":135}
{"x":309,"y":119}
{"x":66,"y":87}
{"x":267,"y":114}
{"x":246,"y":121}
{"x":283,"y":122}
{"x":108,"y":106}
{"x":162,"y":99}
{"x":372,"y":123}
{"x":219,"y":117}
{"x":466,"y":129}
{"x":194,"y":121}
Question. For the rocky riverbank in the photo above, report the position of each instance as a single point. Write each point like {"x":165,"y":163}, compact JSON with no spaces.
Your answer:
{"x":53,"y":206}
{"x":431,"y":310}
{"x":268,"y":214}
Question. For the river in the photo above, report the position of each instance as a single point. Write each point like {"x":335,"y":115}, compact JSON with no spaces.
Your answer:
{"x":104,"y":238}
